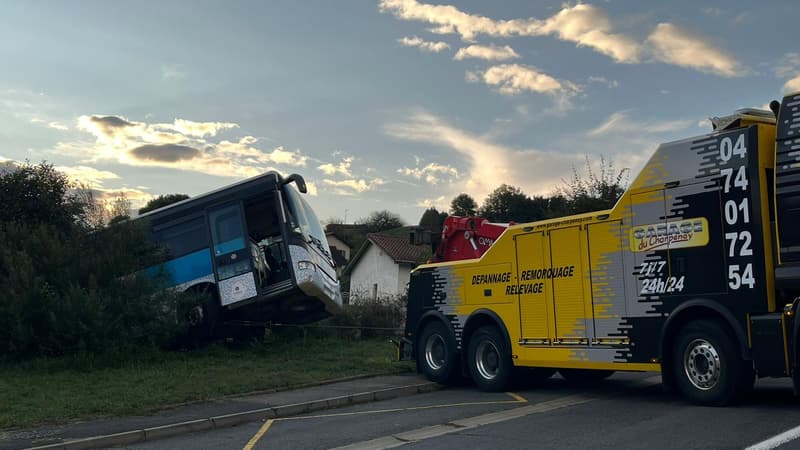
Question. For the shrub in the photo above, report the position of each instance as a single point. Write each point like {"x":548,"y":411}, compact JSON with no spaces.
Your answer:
{"x":69,"y":290}
{"x":369,"y":317}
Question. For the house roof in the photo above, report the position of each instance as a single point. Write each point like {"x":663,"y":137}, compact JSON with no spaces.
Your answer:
{"x":398,"y":249}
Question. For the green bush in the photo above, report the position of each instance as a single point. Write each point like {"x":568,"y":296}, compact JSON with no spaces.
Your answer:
{"x":367,"y":317}
{"x":78,"y":291}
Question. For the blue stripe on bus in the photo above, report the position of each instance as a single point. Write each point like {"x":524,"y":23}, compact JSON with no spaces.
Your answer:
{"x":229,"y":246}
{"x":186,"y":268}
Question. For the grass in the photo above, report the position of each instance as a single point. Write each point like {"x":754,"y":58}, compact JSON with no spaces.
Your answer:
{"x":83,"y":387}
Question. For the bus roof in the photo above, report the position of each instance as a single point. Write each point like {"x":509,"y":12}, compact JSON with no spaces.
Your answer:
{"x":244,"y":188}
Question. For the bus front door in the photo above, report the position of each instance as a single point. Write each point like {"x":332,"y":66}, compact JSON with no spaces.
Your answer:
{"x":232,"y":259}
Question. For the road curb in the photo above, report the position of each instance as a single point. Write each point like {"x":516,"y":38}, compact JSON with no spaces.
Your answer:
{"x":230,"y":420}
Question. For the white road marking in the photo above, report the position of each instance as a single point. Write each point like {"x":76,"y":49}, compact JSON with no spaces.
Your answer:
{"x":778,"y":440}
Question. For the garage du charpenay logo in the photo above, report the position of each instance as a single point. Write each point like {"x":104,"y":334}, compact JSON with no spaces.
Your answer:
{"x":674,"y":234}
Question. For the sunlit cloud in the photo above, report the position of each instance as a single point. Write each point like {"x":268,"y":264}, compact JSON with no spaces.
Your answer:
{"x":434,"y":47}
{"x":587,"y":26}
{"x":179,"y":145}
{"x":792,"y":85}
{"x":87,"y":175}
{"x":440,"y":202}
{"x":489,"y":53}
{"x":351,"y":186}
{"x":432,"y":173}
{"x":673,"y":45}
{"x":199,"y":129}
{"x":515,"y":78}
{"x":57,"y":126}
{"x":583,"y":24}
{"x":342,"y":168}
{"x":488,"y":164}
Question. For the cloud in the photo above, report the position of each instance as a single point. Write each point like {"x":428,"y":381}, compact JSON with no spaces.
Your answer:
{"x":619,"y":122}
{"x":87,"y":175}
{"x":585,"y":25}
{"x":342,"y":168}
{"x":488,"y":164}
{"x":489,"y":53}
{"x":182,"y":145}
{"x":434,"y":47}
{"x":438,"y":202}
{"x":58,"y":126}
{"x":199,"y":129}
{"x":431,"y":172}
{"x":604,"y":80}
{"x":165,"y":152}
{"x":673,"y":45}
{"x":357,"y":185}
{"x":513,"y":79}
{"x":792,"y":85}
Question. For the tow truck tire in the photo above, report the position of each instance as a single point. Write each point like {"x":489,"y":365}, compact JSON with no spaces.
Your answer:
{"x":585,"y":375}
{"x":489,"y":360}
{"x":436,"y":353}
{"x":708,"y":368}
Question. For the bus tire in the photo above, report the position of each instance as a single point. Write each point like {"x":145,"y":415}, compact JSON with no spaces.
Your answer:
{"x":489,"y":360}
{"x":707,"y":365}
{"x":585,"y":375}
{"x":436,"y":355}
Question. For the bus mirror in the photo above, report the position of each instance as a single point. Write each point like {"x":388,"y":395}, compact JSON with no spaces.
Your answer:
{"x":298,"y":180}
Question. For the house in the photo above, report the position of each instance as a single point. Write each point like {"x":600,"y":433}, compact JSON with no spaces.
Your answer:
{"x":340,"y":251}
{"x":343,"y":239}
{"x":382,"y":266}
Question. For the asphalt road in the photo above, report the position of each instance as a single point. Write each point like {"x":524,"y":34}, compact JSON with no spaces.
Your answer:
{"x":625,"y":411}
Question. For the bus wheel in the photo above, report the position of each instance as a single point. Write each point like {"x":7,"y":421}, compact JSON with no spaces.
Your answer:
{"x":489,"y":360}
{"x":708,"y":369}
{"x":584,"y":375}
{"x":436,"y":353}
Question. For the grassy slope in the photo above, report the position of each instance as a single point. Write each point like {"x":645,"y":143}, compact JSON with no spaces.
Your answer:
{"x":52,"y":391}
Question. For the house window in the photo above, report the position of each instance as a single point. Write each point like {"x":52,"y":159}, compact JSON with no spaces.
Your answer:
{"x":375,"y":291}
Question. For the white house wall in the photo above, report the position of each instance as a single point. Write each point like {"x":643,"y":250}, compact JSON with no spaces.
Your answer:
{"x":375,"y":267}
{"x":403,"y":277}
{"x":337,"y":243}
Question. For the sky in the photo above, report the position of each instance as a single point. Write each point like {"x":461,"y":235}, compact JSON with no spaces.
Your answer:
{"x":395,"y":105}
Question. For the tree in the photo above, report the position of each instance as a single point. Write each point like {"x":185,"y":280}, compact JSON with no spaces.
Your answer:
{"x":597,"y":191}
{"x":161,"y":201}
{"x":432,"y":220}
{"x":39,"y":194}
{"x":381,"y":220}
{"x":463,"y":205}
{"x":509,"y":203}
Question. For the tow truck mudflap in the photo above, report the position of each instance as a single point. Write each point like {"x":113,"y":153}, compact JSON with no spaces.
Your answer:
{"x":405,"y":348}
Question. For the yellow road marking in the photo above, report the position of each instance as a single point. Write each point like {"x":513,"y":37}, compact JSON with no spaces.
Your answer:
{"x":254,"y":440}
{"x":517,"y":397}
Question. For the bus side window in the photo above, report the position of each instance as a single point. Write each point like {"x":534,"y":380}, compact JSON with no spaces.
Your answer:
{"x":183,"y":238}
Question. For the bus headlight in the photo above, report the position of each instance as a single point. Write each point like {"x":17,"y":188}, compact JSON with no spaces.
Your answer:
{"x":306,"y":265}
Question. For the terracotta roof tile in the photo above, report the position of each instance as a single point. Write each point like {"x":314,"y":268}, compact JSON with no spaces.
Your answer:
{"x":400,"y":250}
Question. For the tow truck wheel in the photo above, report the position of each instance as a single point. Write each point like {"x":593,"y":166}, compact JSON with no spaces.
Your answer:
{"x":708,"y":368}
{"x":436,"y":353}
{"x":489,"y":360}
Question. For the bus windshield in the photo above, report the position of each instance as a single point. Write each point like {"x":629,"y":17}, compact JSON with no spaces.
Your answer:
{"x":303,"y":221}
